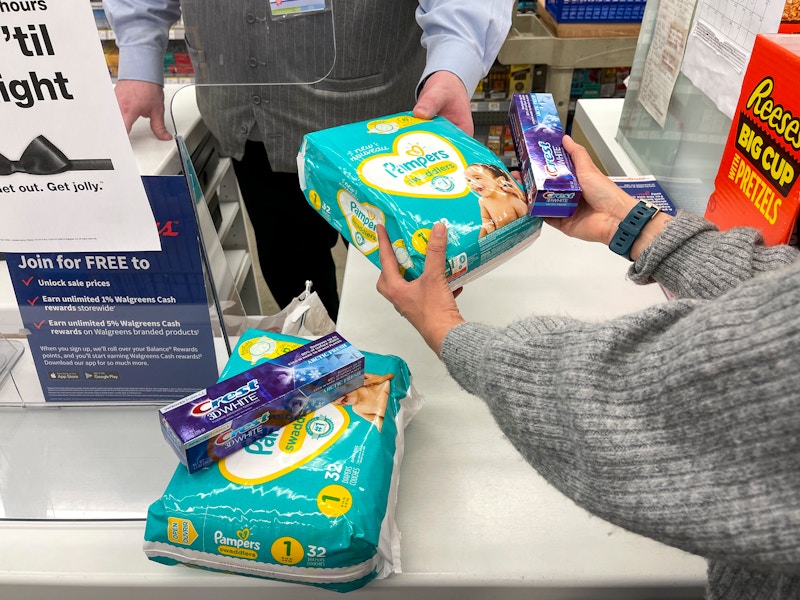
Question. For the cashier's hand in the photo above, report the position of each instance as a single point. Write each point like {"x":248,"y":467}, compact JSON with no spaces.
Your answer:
{"x":142,"y":99}
{"x":444,"y":94}
{"x":426,"y":302}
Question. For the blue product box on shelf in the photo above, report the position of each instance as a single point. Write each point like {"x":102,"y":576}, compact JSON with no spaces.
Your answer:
{"x":216,"y":421}
{"x":647,"y":188}
{"x":547,"y":171}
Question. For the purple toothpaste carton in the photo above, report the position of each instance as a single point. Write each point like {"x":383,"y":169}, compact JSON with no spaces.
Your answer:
{"x":208,"y":425}
{"x":547,"y":171}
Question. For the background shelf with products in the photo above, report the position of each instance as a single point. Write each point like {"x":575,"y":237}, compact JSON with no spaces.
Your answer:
{"x":532,"y":41}
{"x":571,"y":60}
{"x":178,"y":67}
{"x":491,"y":101}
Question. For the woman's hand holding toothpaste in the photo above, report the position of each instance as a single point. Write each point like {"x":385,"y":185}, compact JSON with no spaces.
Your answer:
{"x":603,"y":205}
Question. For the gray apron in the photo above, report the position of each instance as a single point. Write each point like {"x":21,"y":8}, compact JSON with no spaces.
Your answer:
{"x":379,"y":61}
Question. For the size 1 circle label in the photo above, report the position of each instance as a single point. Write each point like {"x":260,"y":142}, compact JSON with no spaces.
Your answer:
{"x":334,"y":500}
{"x":287,"y":551}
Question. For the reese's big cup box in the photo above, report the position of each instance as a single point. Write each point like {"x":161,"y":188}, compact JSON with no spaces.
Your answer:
{"x":216,"y":421}
{"x":756,"y":182}
{"x":790,"y":19}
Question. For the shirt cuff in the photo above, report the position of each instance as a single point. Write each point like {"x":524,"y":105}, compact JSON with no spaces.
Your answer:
{"x":457,"y":57}
{"x":142,"y":64}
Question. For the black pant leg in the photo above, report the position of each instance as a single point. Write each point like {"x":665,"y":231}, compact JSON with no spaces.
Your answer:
{"x":294,"y":241}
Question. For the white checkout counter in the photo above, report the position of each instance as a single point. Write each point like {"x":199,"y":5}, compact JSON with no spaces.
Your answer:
{"x":476,"y":520}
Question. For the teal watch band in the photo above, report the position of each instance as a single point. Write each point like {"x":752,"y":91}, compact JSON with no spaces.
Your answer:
{"x":630,"y":228}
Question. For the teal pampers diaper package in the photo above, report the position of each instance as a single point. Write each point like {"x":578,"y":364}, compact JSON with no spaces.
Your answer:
{"x":310,"y":503}
{"x":408,"y":173}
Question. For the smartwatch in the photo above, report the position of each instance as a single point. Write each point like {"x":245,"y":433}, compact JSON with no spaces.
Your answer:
{"x":631,"y":226}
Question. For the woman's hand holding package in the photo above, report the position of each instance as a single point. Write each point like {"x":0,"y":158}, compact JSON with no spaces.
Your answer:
{"x":426,"y":302}
{"x":603,"y":205}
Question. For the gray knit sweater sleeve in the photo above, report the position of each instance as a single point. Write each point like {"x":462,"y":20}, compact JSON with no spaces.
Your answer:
{"x":693,"y":260}
{"x":679,"y":422}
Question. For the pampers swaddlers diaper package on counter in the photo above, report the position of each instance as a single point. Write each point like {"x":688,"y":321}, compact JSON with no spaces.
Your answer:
{"x":310,"y":503}
{"x":407,"y":174}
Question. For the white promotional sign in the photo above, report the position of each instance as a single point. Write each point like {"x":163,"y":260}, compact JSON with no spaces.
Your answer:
{"x":68,"y":177}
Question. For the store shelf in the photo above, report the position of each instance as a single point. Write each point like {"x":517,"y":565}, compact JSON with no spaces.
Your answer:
{"x":499,"y":106}
{"x":176,"y":33}
{"x":530,"y":41}
{"x":172,"y":74}
{"x":230,"y":212}
{"x":232,"y":234}
{"x":239,"y":263}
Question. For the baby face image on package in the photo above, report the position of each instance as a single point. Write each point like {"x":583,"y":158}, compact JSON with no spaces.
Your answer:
{"x":369,"y":401}
{"x":501,"y":199}
{"x":406,"y":174}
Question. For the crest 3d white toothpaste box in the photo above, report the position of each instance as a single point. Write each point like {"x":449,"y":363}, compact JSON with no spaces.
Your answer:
{"x":216,"y":421}
{"x":547,"y":170}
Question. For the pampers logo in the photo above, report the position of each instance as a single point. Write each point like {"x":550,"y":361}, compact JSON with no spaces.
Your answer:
{"x":420,"y":161}
{"x":214,"y":408}
{"x":240,"y":546}
{"x":287,"y":449}
{"x":362,"y":220}
{"x":421,"y":164}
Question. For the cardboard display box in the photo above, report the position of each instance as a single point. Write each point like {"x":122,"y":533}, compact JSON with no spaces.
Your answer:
{"x":585,"y":30}
{"x":756,"y":182}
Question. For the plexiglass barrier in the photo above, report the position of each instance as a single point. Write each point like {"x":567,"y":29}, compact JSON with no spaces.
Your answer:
{"x":246,"y":55}
{"x":92,"y":449}
{"x":684,"y":154}
{"x":10,"y":353}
